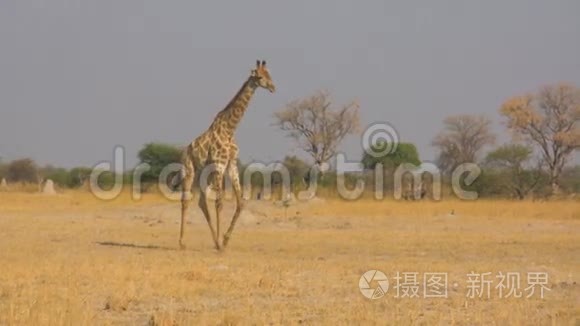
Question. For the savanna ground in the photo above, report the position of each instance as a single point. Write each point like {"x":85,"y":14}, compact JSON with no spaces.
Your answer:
{"x":72,"y":259}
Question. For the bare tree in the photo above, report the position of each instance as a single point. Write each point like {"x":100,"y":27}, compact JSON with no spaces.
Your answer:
{"x":462,"y":139}
{"x":549,"y":120}
{"x":317,"y":127}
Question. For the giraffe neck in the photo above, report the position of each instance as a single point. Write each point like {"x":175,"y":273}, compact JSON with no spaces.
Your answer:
{"x":228,"y":119}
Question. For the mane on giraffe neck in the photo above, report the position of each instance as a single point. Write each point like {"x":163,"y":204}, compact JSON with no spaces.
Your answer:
{"x":232,"y":114}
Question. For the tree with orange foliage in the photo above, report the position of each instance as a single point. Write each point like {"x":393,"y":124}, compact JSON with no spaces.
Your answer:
{"x":550,"y":120}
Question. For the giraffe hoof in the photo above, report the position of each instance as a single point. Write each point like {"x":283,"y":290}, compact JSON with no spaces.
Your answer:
{"x":181,"y":246}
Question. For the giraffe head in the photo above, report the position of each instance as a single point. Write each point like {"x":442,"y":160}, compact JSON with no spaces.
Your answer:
{"x":261,"y":76}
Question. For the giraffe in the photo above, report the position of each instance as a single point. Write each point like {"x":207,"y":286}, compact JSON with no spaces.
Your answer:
{"x":216,"y":149}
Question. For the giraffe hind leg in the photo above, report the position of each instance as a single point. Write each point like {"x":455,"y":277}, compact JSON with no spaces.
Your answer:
{"x":188,"y":174}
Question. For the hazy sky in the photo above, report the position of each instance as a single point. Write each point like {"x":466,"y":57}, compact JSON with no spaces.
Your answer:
{"x":79,"y":77}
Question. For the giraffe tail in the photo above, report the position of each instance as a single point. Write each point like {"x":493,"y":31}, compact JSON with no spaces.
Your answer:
{"x":175,"y":180}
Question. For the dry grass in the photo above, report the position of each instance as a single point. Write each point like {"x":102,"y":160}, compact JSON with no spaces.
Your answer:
{"x":72,"y":259}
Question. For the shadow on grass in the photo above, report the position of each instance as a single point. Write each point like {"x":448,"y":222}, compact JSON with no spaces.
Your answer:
{"x":132,"y":245}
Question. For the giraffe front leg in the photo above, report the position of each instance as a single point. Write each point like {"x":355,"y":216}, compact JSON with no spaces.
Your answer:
{"x":202,"y":203}
{"x":219,"y":194}
{"x":235,"y":178}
